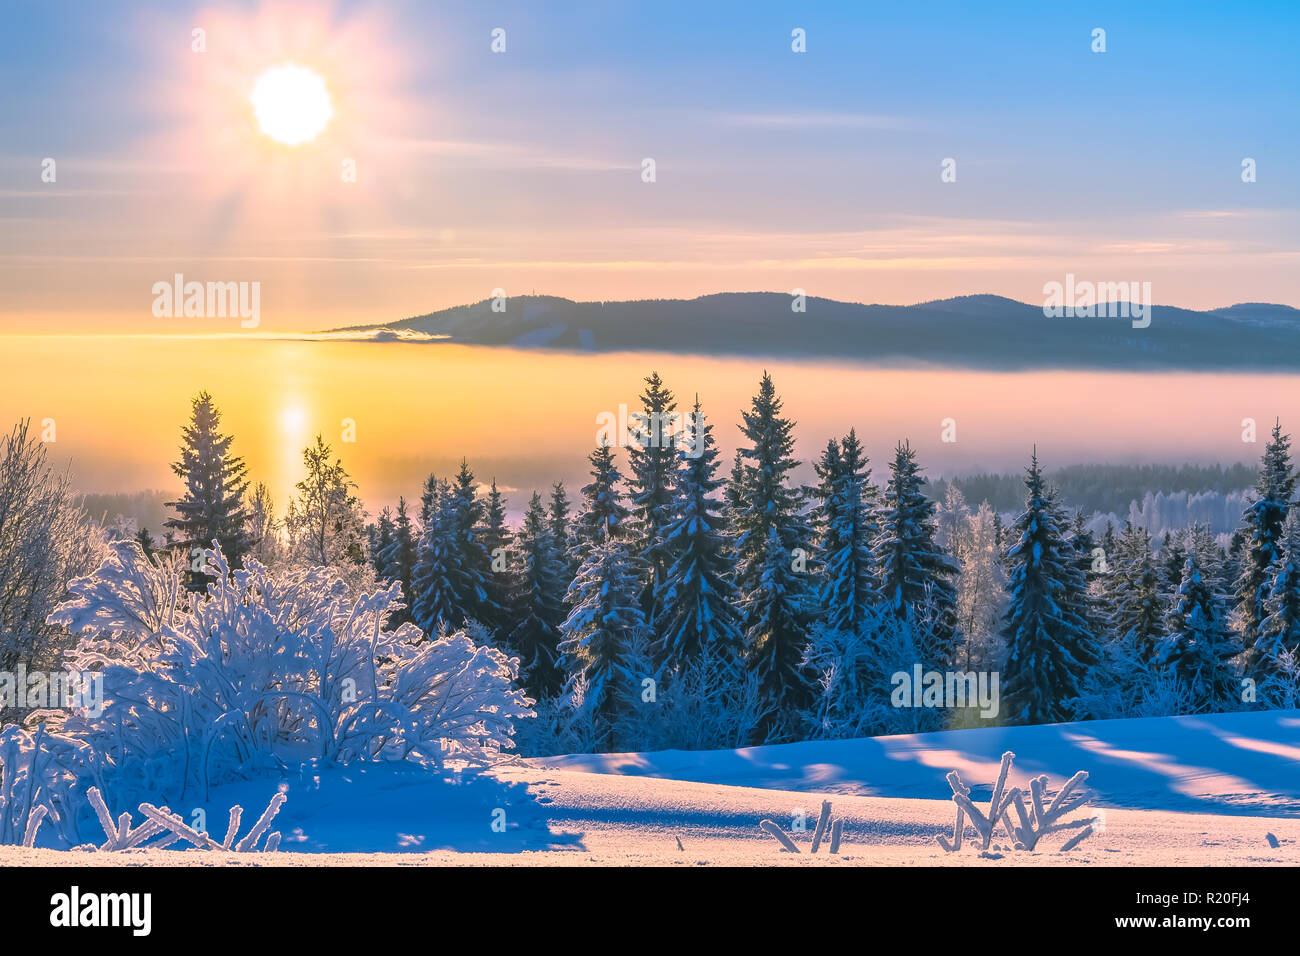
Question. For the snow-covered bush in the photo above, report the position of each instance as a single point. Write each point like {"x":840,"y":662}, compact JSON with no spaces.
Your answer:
{"x":1129,"y":684}
{"x":708,"y":703}
{"x":265,"y":670}
{"x":38,"y":779}
{"x":1281,"y":688}
{"x":854,"y":672}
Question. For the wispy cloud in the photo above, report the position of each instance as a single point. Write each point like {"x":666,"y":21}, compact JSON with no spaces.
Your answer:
{"x":816,"y":120}
{"x":507,"y":155}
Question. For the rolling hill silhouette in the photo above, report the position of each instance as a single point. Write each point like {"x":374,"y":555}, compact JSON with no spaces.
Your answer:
{"x":982,"y":331}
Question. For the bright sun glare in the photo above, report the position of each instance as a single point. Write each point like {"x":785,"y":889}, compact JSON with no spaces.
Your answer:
{"x":292,"y":419}
{"x":291,"y":103}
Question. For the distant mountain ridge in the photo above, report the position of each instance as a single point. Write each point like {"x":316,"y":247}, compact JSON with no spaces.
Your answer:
{"x":981,"y":331}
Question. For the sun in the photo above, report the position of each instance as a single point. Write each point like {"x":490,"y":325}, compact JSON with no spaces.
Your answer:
{"x":292,"y":419}
{"x":291,"y":103}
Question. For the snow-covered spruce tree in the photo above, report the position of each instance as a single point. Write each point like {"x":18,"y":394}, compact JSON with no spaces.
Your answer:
{"x":434,"y":587}
{"x":46,"y":540}
{"x":495,"y":535}
{"x":145,"y":540}
{"x":1172,"y":557}
{"x":537,"y":604}
{"x":1089,"y":603}
{"x":652,"y":462}
{"x":696,"y":594}
{"x":847,"y":528}
{"x":916,"y":575}
{"x":827,"y":468}
{"x":429,"y":498}
{"x":1198,"y":645}
{"x":1084,"y":543}
{"x":604,"y":516}
{"x":1262,"y":524}
{"x":561,"y":531}
{"x":212,"y":506}
{"x":267,"y":669}
{"x":325,"y":522}
{"x":771,"y":537}
{"x":399,"y":559}
{"x":1279,"y":632}
{"x":1210,"y":558}
{"x":379,"y":536}
{"x":1133,"y":592}
{"x":733,"y":500}
{"x":452,"y":566}
{"x":1050,"y":646}
{"x":605,"y":623}
{"x":981,"y":593}
{"x":474,"y":593}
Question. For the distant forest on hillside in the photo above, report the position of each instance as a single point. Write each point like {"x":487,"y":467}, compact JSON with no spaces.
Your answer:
{"x":1101,"y":488}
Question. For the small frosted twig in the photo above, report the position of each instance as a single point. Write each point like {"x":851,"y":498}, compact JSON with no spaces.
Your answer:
{"x":249,"y":843}
{"x":1078,"y":837}
{"x":231,"y":831}
{"x":105,"y":818}
{"x":1025,"y":832}
{"x":1062,"y":827}
{"x":1075,"y":781}
{"x":823,"y":821}
{"x":961,"y":797}
{"x":771,"y":828}
{"x":141,"y":833}
{"x":837,"y":831}
{"x":272,"y":842}
{"x":34,"y":823}
{"x":1006,"y":816}
{"x":955,"y":844}
{"x":1036,"y":791}
{"x":176,"y":825}
{"x":123,"y":828}
{"x":995,"y":805}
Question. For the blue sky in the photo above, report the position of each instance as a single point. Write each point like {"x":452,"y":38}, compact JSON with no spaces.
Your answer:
{"x":774,"y":169}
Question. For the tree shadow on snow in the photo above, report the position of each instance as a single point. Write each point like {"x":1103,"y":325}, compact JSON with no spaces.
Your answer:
{"x":397,"y":808}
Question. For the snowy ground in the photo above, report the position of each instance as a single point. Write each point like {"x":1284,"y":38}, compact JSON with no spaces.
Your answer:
{"x":1189,"y":791}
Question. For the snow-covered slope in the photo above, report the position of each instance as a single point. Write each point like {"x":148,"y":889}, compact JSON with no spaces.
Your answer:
{"x":1239,"y":774}
{"x":1223,"y":763}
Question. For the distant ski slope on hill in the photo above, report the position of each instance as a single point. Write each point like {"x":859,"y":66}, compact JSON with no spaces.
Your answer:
{"x":982,"y":331}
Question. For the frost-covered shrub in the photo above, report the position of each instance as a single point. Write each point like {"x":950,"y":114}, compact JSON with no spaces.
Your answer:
{"x":566,"y":723}
{"x":38,"y":780}
{"x":1128,"y":684}
{"x":1281,"y":688}
{"x":708,"y":703}
{"x":854,"y":670}
{"x":265,"y":670}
